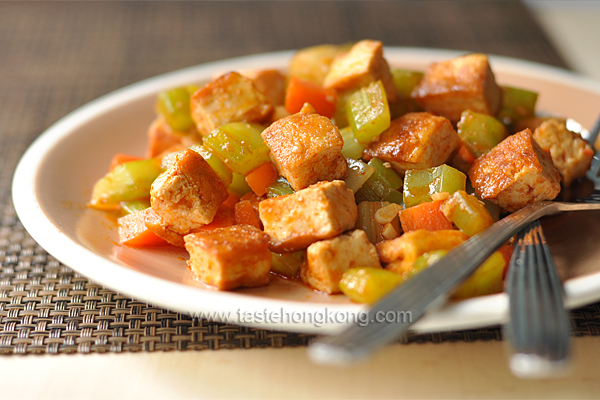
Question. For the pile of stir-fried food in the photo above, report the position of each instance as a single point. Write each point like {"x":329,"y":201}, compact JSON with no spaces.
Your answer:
{"x":341,"y":171}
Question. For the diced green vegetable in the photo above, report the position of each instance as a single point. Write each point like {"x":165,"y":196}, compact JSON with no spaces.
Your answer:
{"x":130,"y":207}
{"x":174,"y":106}
{"x":366,"y":219}
{"x":386,"y":173}
{"x":238,"y":186}
{"x":279,"y":188}
{"x":368,"y":112}
{"x":358,"y":173}
{"x":420,"y":184}
{"x":425,"y":261}
{"x":486,"y":279}
{"x":287,"y":264}
{"x":381,"y":185}
{"x":239,"y":145}
{"x":128,"y":181}
{"x":406,"y":80}
{"x":351,"y":149}
{"x":367,"y":285}
{"x":467,"y":212}
{"x":517,"y":104}
{"x":215,"y":162}
{"x":340,"y":118}
{"x":480,"y":132}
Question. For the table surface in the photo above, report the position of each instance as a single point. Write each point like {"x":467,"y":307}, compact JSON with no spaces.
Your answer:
{"x":56,"y":56}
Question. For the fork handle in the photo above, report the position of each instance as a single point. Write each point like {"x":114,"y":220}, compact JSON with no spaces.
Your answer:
{"x":539,"y":329}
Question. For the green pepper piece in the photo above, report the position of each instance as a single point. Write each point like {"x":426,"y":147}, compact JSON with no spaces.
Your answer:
{"x":420,"y":184}
{"x":366,"y":219}
{"x":387,"y":174}
{"x":239,"y":186}
{"x":174,"y":106}
{"x":368,"y":112}
{"x":351,"y":149}
{"x":406,"y":80}
{"x":467,"y":212}
{"x":128,"y":181}
{"x":239,"y":145}
{"x":480,"y":132}
{"x":358,"y":174}
{"x":130,"y":207}
{"x":367,"y":285}
{"x":287,"y":264}
{"x":278,"y":188}
{"x":517,"y":104}
{"x":486,"y":279}
{"x":425,"y":261}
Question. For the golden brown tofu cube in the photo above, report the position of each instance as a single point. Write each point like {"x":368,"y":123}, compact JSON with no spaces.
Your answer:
{"x":453,"y":86}
{"x":415,"y":141}
{"x":362,"y":65}
{"x":327,"y":260}
{"x":229,"y":98}
{"x":312,"y":63}
{"x":306,"y":148}
{"x":571,"y":154}
{"x":321,"y":211}
{"x":515,"y":173}
{"x":188,"y":194}
{"x":402,"y":252}
{"x":269,"y":82}
{"x":154,"y":223}
{"x":231,"y":257}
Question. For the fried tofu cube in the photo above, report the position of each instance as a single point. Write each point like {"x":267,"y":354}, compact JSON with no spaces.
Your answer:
{"x":133,"y":231}
{"x":231,"y":257}
{"x":312,"y":63}
{"x":306,"y":148}
{"x":515,"y":173}
{"x":270,"y":82}
{"x":362,"y":65}
{"x":230,"y":98}
{"x":415,"y":141}
{"x":162,"y":138}
{"x":571,"y":154}
{"x":453,"y":86}
{"x":187,"y":195}
{"x":327,"y":260}
{"x":155,"y":224}
{"x":402,"y":252}
{"x":321,"y":211}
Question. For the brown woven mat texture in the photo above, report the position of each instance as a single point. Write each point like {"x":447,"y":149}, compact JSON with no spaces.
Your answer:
{"x":57,"y":56}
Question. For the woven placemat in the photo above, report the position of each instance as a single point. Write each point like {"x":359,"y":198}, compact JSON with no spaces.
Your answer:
{"x":63,"y":54}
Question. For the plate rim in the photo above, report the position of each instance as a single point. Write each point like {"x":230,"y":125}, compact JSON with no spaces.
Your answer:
{"x":488,"y":310}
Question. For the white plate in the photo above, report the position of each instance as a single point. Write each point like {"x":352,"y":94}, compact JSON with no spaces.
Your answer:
{"x":54,"y":178}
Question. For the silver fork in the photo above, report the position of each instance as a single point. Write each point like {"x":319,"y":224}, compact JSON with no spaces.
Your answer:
{"x":431,"y":287}
{"x":538,"y":329}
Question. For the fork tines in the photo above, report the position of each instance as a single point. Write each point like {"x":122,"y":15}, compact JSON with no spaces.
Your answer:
{"x":539,"y":327}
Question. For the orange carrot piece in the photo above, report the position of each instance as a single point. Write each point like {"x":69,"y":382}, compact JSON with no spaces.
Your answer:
{"x":230,"y":201}
{"x":261,"y":178}
{"x":300,"y":91}
{"x":245,"y":214}
{"x":223,"y":218}
{"x":119,"y":159}
{"x":133,"y":231}
{"x":426,"y":216}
